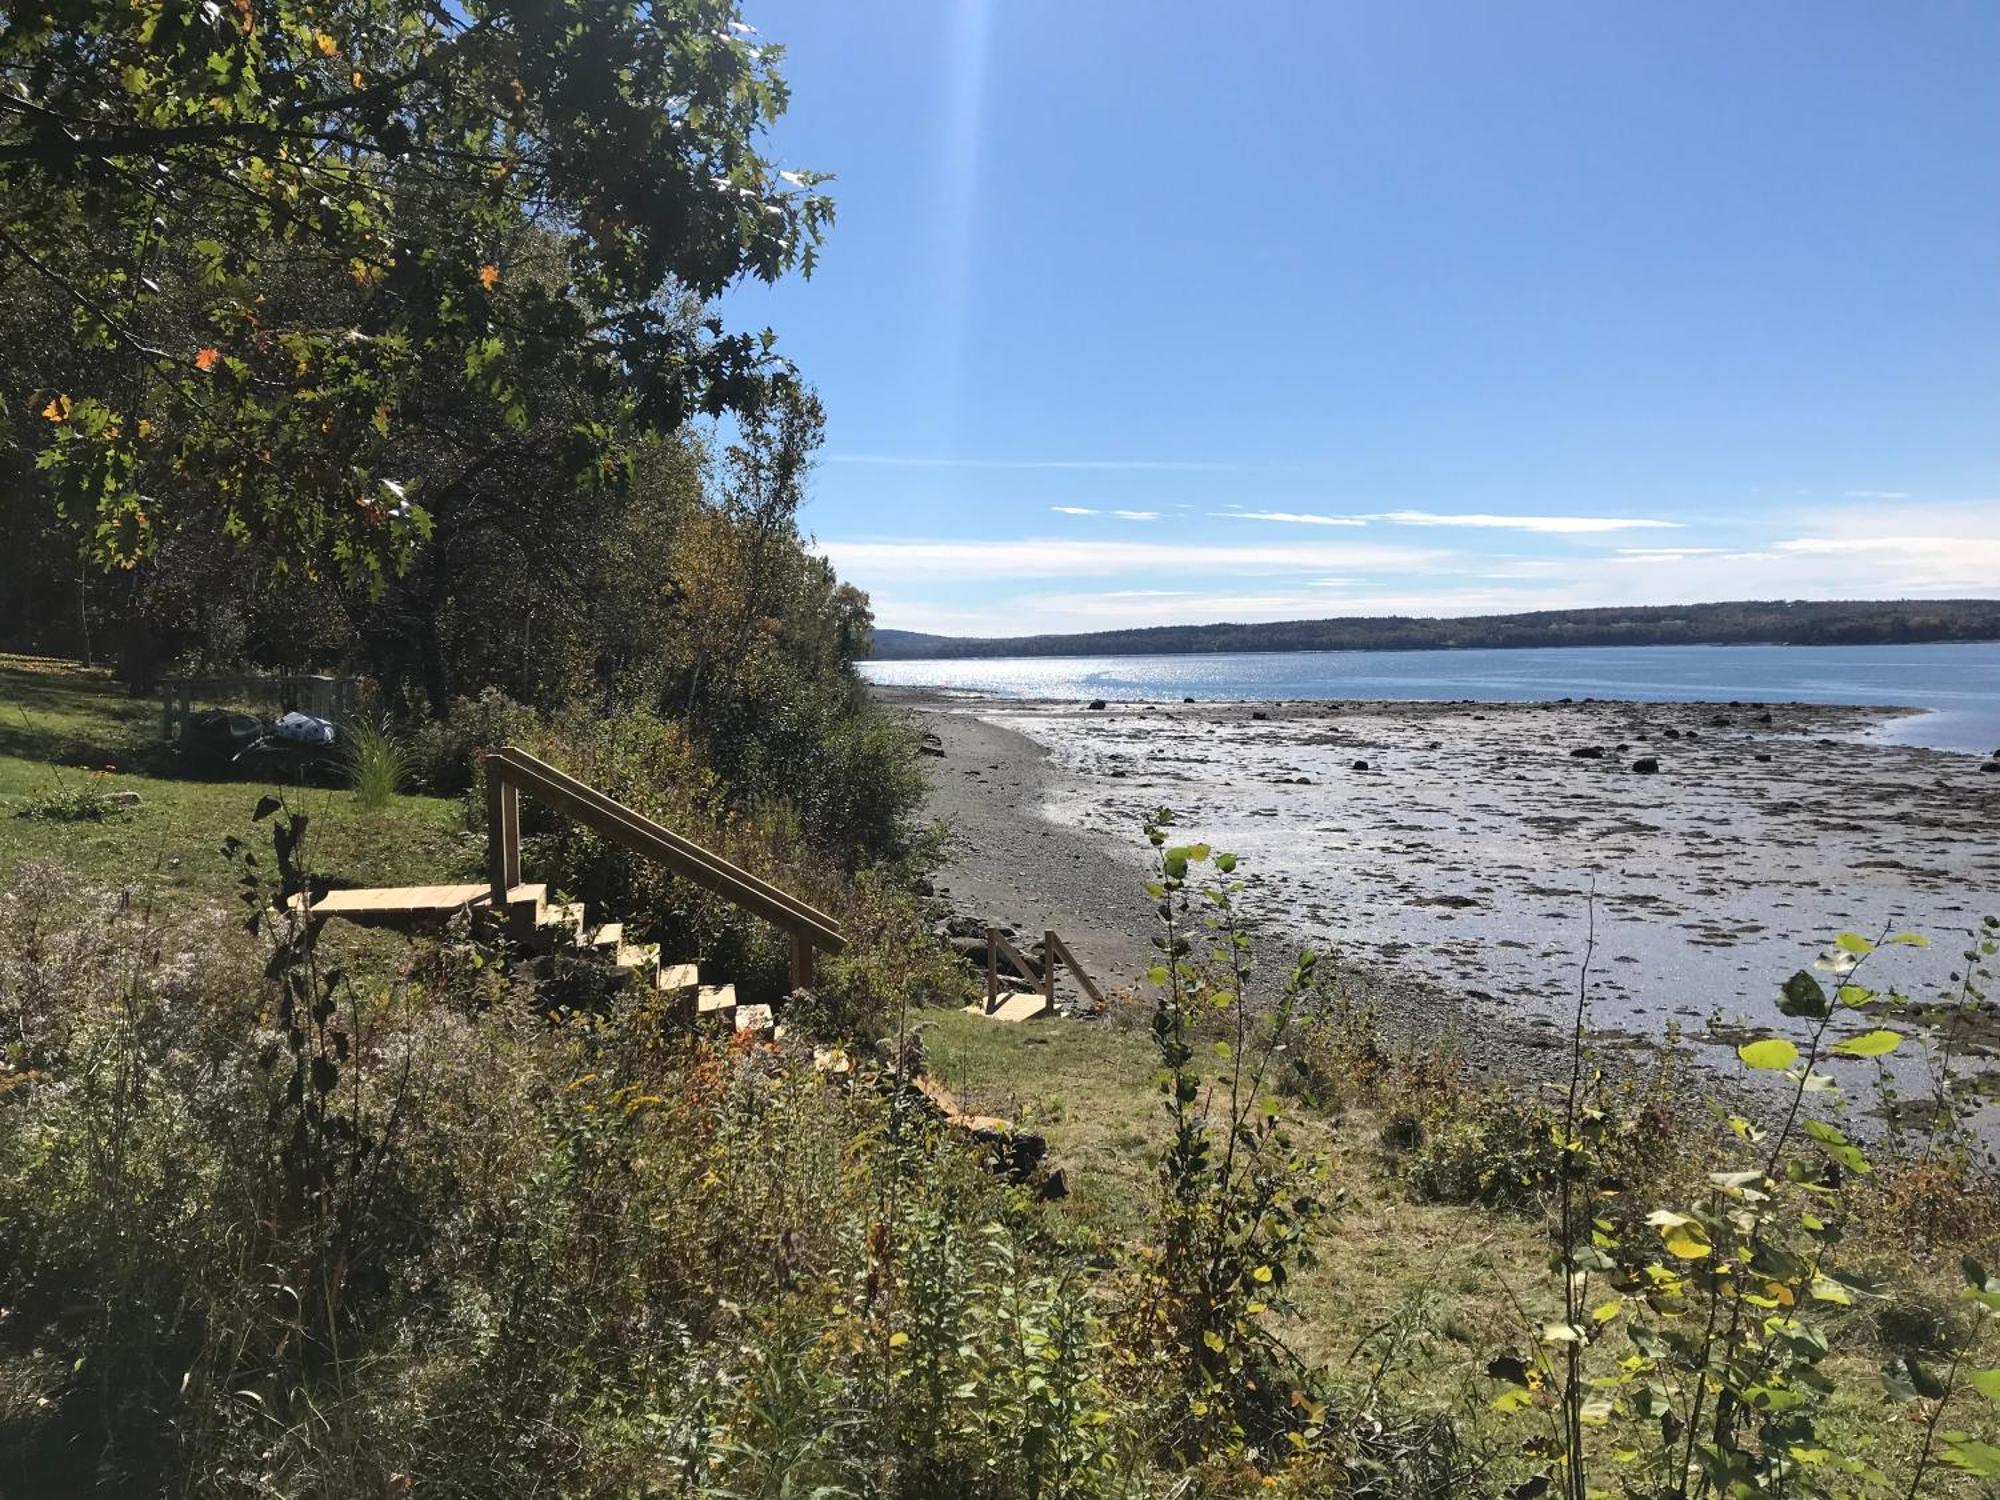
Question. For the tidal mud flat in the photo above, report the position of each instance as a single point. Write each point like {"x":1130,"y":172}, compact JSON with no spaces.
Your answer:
{"x":1456,"y":857}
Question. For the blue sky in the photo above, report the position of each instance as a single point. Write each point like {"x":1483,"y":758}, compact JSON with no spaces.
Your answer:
{"x":1150,"y":312}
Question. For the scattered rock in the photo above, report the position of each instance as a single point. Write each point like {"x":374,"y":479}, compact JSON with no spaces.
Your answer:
{"x":1587,"y":752}
{"x":1991,"y":765}
{"x":1097,"y":705}
{"x":1359,"y":765}
{"x":1260,"y":714}
{"x":1647,"y":765}
{"x":1671,"y":733}
{"x":930,"y":750}
{"x":1764,"y":718}
{"x":1763,"y":755}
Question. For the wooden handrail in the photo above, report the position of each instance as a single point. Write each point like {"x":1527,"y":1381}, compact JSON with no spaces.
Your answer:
{"x":511,"y":771}
{"x":1054,"y":951}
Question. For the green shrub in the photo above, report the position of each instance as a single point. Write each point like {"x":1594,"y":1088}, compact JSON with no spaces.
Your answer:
{"x":1496,"y":1148}
{"x":444,"y":752}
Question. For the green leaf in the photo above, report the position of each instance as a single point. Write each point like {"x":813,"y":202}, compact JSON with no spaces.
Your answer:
{"x":1987,"y":1383}
{"x":1802,"y":995}
{"x":1853,"y":942}
{"x":1971,"y":1455}
{"x":1770,"y":1055}
{"x":1870,"y":1044}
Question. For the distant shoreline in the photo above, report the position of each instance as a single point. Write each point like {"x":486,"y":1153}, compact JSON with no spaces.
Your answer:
{"x":1899,"y":622}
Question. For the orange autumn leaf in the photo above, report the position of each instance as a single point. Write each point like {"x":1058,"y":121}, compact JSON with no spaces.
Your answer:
{"x":206,"y":358}
{"x":57,"y":410}
{"x":488,"y":275}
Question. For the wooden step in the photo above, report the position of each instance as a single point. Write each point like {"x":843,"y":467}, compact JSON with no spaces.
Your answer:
{"x":565,"y":915}
{"x":714,"y":999}
{"x":756,"y":1020}
{"x":637,"y":956}
{"x":606,"y":935}
{"x":1023,"y":1005}
{"x":413,"y":902}
{"x":676,"y":977}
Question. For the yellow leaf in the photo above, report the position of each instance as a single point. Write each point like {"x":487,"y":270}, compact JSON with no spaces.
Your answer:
{"x":897,"y":1340}
{"x":325,"y":44}
{"x":57,"y":410}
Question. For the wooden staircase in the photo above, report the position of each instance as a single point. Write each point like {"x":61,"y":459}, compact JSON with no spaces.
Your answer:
{"x":546,"y":927}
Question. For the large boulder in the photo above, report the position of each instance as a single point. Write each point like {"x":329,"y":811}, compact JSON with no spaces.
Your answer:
{"x":1647,"y":765}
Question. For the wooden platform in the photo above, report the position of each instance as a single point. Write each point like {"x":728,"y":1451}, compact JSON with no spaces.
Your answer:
{"x":1022,"y":1005}
{"x":389,"y":904}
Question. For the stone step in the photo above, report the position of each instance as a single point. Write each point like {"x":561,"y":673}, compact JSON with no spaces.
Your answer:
{"x":714,"y":999}
{"x":757,"y":1020}
{"x":677,"y":977}
{"x":606,"y":935}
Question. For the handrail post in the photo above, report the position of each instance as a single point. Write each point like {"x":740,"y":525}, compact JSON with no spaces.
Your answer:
{"x":1051,"y":945}
{"x":992,"y":968}
{"x":802,"y":961}
{"x":503,"y":833}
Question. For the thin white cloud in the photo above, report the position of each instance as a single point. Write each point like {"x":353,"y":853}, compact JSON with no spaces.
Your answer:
{"x":1666,"y":554}
{"x":1544,"y":525}
{"x":1875,"y":494}
{"x":871,"y":562}
{"x":1123,"y":515}
{"x":1296,"y":518}
{"x":1138,"y":465}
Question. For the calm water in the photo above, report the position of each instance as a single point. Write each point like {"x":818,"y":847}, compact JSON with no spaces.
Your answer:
{"x":1958,"y":684}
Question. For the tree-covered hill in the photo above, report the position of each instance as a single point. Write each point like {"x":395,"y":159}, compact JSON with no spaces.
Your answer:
{"x":1787,"y":622}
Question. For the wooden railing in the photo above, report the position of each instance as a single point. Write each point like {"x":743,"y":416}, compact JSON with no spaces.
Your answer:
{"x":1054,"y":950}
{"x":510,"y":772}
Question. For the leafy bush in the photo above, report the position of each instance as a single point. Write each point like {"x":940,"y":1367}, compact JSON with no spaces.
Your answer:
{"x":444,"y":752}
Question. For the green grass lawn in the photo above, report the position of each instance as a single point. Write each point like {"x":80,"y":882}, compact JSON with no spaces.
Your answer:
{"x":65,"y":727}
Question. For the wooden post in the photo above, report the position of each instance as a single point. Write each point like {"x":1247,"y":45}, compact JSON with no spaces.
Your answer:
{"x":496,"y":857}
{"x":510,"y":834}
{"x":1050,"y":944}
{"x":992,"y":968}
{"x":802,"y":962}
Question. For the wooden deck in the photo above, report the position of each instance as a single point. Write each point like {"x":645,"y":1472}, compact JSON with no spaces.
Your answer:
{"x":389,"y":904}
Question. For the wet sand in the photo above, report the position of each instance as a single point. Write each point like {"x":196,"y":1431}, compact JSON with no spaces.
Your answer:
{"x":1458,"y":876}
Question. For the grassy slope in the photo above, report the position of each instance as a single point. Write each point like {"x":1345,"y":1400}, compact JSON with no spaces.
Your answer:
{"x":1426,"y":1292}
{"x":62,"y":726}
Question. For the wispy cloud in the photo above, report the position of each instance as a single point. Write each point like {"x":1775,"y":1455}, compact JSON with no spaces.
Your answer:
{"x":894,"y":562}
{"x":1088,"y":510}
{"x":1544,"y":525}
{"x":1875,"y":494}
{"x":1138,"y":465}
{"x":1294,"y":517}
